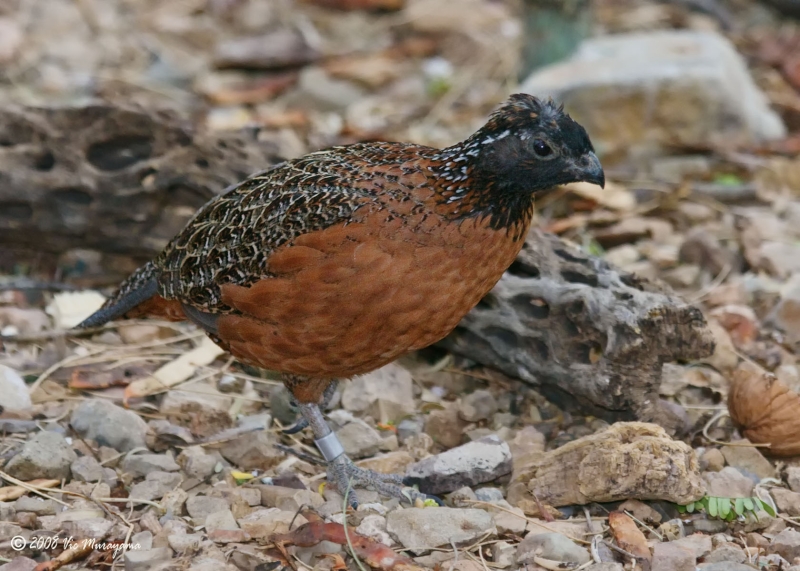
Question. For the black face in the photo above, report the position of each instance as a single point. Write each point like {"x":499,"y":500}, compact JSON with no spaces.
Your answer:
{"x":529,"y":145}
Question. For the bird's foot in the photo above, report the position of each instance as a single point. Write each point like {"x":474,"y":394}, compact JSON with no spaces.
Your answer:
{"x":302,"y":424}
{"x":346,"y":476}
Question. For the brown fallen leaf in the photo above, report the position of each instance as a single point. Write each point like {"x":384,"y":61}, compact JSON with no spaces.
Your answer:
{"x":370,"y":551}
{"x":767,"y":411}
{"x":9,"y":493}
{"x":628,"y":536}
{"x":78,"y":551}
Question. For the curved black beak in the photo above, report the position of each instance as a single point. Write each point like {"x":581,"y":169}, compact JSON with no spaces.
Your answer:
{"x":588,"y":168}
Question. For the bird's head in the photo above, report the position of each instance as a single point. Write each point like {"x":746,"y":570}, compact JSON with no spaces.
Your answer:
{"x":529,"y":145}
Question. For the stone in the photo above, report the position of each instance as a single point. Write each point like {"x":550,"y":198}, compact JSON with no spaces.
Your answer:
{"x":726,"y":566}
{"x":109,"y":425}
{"x":671,"y":557}
{"x":712,"y":460}
{"x":710,"y":525}
{"x":184,"y":542}
{"x":626,"y":460}
{"x":420,"y":528}
{"x":199,"y":507}
{"x":87,"y":469}
{"x":606,"y":566}
{"x":35,"y":505}
{"x":641,"y":511}
{"x":262,"y":523}
{"x":46,"y":455}
{"x":671,"y":87}
{"x":445,"y":427}
{"x":788,"y":502}
{"x":390,"y":463}
{"x":196,"y":463}
{"x":88,"y":528}
{"x":480,"y":405}
{"x":504,"y":554}
{"x":374,"y":527}
{"x":156,"y":485}
{"x":473,"y":463}
{"x":491,"y":495}
{"x":20,"y":564}
{"x":699,"y":545}
{"x":508,"y":519}
{"x":143,"y":560}
{"x":386,"y":394}
{"x":174,"y":500}
{"x":554,"y":546}
{"x":359,"y":439}
{"x":317,"y":89}
{"x":728,"y":483}
{"x":143,"y":540}
{"x":793,"y":478}
{"x":787,"y":544}
{"x":139,"y":465}
{"x":207,"y":398}
{"x":786,"y":313}
{"x":409,"y":427}
{"x":253,"y":451}
{"x":290,"y":499}
{"x":221,"y":527}
{"x":748,"y":459}
{"x":726,"y":552}
{"x":14,"y":391}
{"x":273,"y":50}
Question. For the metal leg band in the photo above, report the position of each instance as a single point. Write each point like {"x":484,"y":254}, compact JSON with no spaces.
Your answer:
{"x":329,"y":446}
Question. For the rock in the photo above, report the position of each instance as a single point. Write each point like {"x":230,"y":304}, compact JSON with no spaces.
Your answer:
{"x":474,"y":463}
{"x":503,"y":554}
{"x":253,"y":451}
{"x":318,"y":90}
{"x":262,"y":523}
{"x":174,"y":500}
{"x":552,"y":546}
{"x":385,"y":395}
{"x":109,"y":425}
{"x":480,"y":405}
{"x":445,"y":427}
{"x":685,"y":88}
{"x":726,"y":566}
{"x":627,"y":460}
{"x":14,"y":391}
{"x":278,"y":49}
{"x":788,"y":502}
{"x":712,"y":460}
{"x":606,"y":566}
{"x":87,"y":469}
{"x":88,"y":528}
{"x":726,"y":552}
{"x":35,"y":505}
{"x":156,"y":485}
{"x":19,"y":564}
{"x":139,"y":465}
{"x":787,"y":544}
{"x":196,"y":463}
{"x":289,"y":499}
{"x":728,"y":483}
{"x":199,"y":507}
{"x":527,"y":447}
{"x":748,"y":459}
{"x":710,"y":526}
{"x":699,"y":545}
{"x":508,"y":519}
{"x":46,"y":455}
{"x":702,"y":248}
{"x":491,"y":495}
{"x":671,"y":557}
{"x":221,"y":527}
{"x":786,"y":313}
{"x":417,"y":528}
{"x":185,"y":542}
{"x":374,"y":527}
{"x":390,"y":463}
{"x":793,"y":478}
{"x":143,"y":560}
{"x":359,"y":439}
{"x":208,"y":399}
{"x":409,"y":427}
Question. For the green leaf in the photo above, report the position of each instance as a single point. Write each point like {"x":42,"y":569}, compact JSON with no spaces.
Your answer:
{"x":766,"y":507}
{"x":712,"y":507}
{"x":728,"y":179}
{"x":690,"y":507}
{"x":738,"y":506}
{"x":681,"y":509}
{"x":724,"y":506}
{"x":749,"y":505}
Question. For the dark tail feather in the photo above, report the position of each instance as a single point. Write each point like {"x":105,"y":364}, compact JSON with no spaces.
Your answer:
{"x":138,"y":288}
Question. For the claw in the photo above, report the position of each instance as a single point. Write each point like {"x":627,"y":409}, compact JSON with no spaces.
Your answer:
{"x":298,"y":426}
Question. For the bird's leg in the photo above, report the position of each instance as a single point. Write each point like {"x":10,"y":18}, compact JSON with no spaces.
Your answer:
{"x":327,"y":396}
{"x":342,"y":473}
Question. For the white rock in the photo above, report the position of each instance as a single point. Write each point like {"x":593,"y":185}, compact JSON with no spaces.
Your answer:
{"x":418,"y":529}
{"x":14,"y":393}
{"x":651,"y":89}
{"x":71,"y":307}
{"x":385,"y":394}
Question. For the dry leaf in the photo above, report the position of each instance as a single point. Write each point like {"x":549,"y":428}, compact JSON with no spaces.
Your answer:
{"x":9,"y":493}
{"x":767,"y":410}
{"x":613,"y":196}
{"x":69,"y":308}
{"x":628,"y":536}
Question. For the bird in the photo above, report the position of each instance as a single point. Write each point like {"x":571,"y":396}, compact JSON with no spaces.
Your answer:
{"x":336,"y":263}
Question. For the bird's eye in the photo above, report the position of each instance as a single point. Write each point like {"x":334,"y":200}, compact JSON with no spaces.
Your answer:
{"x":541,"y":148}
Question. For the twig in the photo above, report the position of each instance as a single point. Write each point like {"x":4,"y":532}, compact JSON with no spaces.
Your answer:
{"x":35,"y":489}
{"x":714,"y":419}
{"x":344,"y":525}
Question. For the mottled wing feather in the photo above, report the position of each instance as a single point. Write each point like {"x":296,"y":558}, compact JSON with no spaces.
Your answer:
{"x":231,"y":239}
